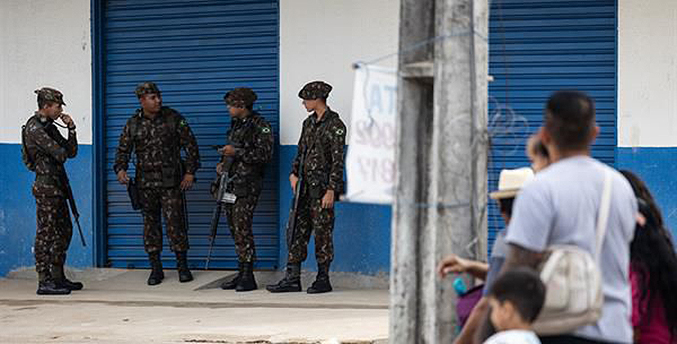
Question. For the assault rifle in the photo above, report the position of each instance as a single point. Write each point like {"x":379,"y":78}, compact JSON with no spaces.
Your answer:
{"x":291,"y":223}
{"x":71,"y":202}
{"x":222,"y":197}
{"x":63,"y":179}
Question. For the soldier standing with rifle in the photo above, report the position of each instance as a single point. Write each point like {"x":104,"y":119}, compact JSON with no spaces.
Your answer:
{"x":320,"y":148}
{"x":243,"y":161}
{"x":156,"y":135}
{"x":44,"y":151}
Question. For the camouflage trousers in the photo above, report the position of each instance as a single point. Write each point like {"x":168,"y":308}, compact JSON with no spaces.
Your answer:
{"x":240,"y":216}
{"x":311,"y":217}
{"x":169,"y":201}
{"x":54,"y":232}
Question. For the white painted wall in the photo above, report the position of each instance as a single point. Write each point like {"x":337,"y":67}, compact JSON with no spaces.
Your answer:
{"x":647,"y":73}
{"x":44,"y":43}
{"x":320,"y":40}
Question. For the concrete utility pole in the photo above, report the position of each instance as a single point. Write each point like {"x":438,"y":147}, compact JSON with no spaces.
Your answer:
{"x":440,"y":205}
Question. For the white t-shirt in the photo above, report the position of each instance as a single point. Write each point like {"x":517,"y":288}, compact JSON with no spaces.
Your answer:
{"x":513,"y":337}
{"x":560,"y":206}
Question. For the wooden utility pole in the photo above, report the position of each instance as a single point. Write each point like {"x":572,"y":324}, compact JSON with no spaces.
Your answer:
{"x":440,"y":205}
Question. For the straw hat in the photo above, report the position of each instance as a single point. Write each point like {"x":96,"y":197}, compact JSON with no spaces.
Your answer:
{"x":511,"y":181}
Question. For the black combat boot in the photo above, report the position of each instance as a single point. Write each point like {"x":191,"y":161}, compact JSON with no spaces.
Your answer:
{"x":47,"y":286}
{"x":182,"y":266}
{"x":232,"y":283}
{"x":291,"y":281}
{"x":156,"y":274}
{"x":61,"y":280}
{"x":247,"y":281}
{"x":321,"y":284}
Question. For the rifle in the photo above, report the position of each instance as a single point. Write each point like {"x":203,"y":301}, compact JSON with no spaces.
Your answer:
{"x":63,"y":177}
{"x":291,"y":223}
{"x":222,"y":197}
{"x":71,"y":202}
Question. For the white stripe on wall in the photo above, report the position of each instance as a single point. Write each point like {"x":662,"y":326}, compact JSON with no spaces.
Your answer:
{"x":44,"y":43}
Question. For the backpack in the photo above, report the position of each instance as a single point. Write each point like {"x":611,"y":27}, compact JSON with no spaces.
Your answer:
{"x":572,"y":277}
{"x":26,"y":157}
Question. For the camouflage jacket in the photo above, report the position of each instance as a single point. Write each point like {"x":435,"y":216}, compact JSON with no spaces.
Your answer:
{"x":49,"y":150}
{"x":323,"y":168}
{"x":157,"y":144}
{"x":252,"y":138}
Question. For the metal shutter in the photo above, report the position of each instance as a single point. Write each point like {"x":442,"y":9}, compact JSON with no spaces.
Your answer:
{"x":195,"y":51}
{"x":537,"y":47}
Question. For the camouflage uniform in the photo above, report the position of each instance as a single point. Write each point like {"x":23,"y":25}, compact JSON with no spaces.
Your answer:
{"x":322,"y":171}
{"x":157,"y":144}
{"x":49,"y":150}
{"x":252,"y":138}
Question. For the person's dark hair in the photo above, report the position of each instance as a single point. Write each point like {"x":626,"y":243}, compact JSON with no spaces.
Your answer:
{"x":523,"y":287}
{"x":540,"y":149}
{"x":652,"y":254}
{"x":570,"y":119}
{"x":505,"y":206}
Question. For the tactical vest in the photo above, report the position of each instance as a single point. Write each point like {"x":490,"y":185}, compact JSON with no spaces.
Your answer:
{"x":171,"y":173}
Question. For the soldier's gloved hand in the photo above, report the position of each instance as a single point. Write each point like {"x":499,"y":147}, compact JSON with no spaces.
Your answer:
{"x":293,"y":179}
{"x":219,"y":168}
{"x":123,"y":178}
{"x":67,"y":120}
{"x":187,"y":181}
{"x":328,"y":199}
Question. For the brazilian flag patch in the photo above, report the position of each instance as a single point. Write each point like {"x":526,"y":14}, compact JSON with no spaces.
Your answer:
{"x":183,"y":123}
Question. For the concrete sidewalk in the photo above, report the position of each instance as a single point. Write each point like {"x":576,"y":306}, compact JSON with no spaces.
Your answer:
{"x":117,"y":306}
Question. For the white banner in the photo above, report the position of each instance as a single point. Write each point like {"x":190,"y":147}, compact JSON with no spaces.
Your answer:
{"x":370,"y":162}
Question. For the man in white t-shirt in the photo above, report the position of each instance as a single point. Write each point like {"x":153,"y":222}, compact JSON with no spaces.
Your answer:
{"x":560,"y":206}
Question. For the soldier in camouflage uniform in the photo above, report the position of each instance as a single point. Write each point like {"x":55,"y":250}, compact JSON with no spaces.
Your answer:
{"x":156,"y":135}
{"x":250,"y":148}
{"x":44,"y":152}
{"x":322,"y":142}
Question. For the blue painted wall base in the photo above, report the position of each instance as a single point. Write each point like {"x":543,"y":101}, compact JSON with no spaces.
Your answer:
{"x":656,"y":166}
{"x":17,"y":209}
{"x":361,"y":234}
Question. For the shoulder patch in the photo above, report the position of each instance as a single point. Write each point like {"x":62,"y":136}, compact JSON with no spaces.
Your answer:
{"x":183,"y":123}
{"x":265,"y":130}
{"x":340,"y":131}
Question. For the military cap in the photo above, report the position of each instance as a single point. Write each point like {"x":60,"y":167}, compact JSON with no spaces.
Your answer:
{"x":50,"y":95}
{"x":314,"y":90}
{"x":146,"y":88}
{"x":240,"y":97}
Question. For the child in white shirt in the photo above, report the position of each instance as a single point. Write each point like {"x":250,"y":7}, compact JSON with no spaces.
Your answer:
{"x":516,"y":299}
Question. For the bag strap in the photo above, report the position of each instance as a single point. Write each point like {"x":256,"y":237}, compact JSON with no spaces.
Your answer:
{"x":133,"y":124}
{"x":603,"y":216}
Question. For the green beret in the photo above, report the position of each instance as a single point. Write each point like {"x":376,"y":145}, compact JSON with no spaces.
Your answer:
{"x":314,"y":90}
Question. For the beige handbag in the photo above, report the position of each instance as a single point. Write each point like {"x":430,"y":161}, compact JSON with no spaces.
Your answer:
{"x":573,"y":296}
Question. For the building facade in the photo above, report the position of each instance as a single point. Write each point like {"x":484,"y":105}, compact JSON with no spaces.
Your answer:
{"x":620,"y":52}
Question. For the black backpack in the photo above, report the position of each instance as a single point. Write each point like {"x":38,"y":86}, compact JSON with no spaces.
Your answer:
{"x":27,"y":158}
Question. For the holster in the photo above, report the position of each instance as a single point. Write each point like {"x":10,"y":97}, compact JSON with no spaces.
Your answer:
{"x":134,"y":194}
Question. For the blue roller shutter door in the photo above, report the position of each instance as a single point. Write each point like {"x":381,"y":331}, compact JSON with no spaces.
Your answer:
{"x":536,"y":48}
{"x":195,"y":51}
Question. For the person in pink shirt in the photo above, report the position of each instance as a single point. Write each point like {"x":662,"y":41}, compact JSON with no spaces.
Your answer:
{"x":653,"y":277}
